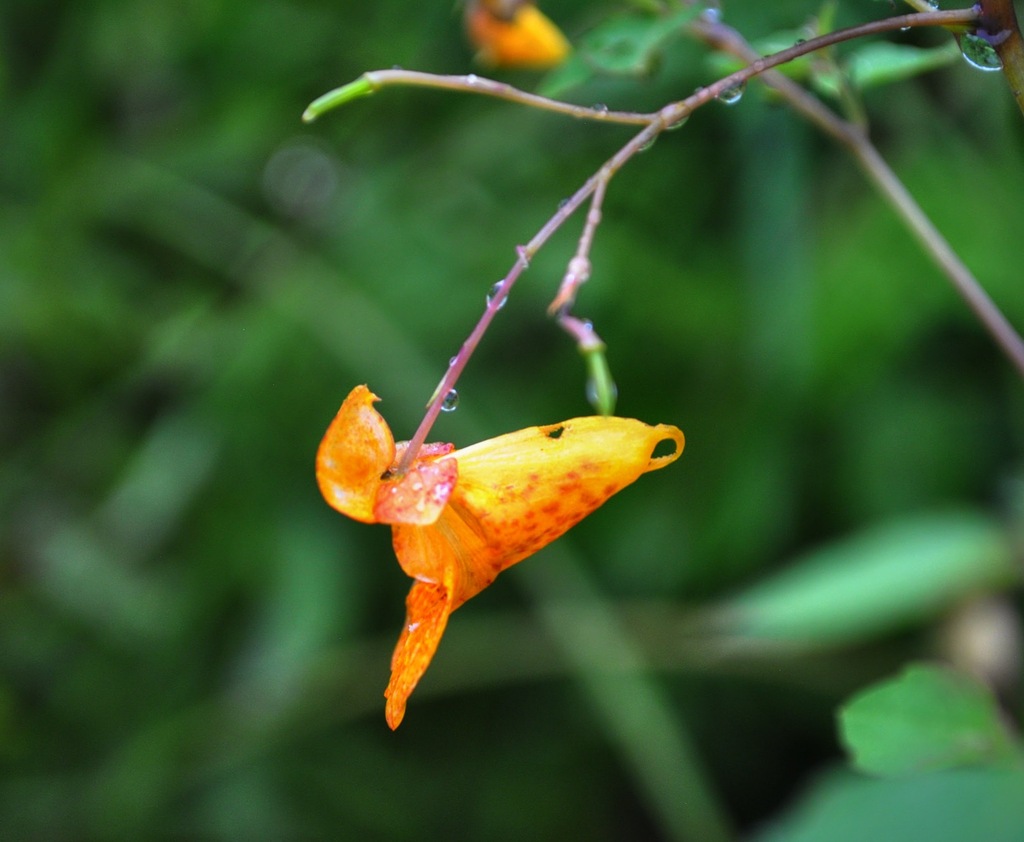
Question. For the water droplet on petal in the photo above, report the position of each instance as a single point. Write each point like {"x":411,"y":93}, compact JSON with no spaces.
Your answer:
{"x":450,"y":402}
{"x":730,"y":96}
{"x":979,"y":53}
{"x":494,"y":290}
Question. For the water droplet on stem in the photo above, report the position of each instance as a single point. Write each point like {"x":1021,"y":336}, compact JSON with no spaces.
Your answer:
{"x":979,"y":53}
{"x":450,"y":402}
{"x":730,"y":96}
{"x":493,"y":292}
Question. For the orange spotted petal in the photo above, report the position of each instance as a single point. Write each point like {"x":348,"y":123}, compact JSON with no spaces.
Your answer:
{"x":419,"y":496}
{"x":514,"y":495}
{"x":427,"y":608}
{"x":525,"y":37}
{"x":355,"y":452}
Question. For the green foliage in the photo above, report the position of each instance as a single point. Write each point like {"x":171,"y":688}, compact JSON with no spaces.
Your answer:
{"x":951,"y":770}
{"x":940,"y":807}
{"x":193,"y":645}
{"x":879,"y":581}
{"x":629,"y":44}
{"x":929,"y":718}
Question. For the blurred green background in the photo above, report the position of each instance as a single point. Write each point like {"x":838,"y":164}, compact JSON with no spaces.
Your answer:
{"x":193,"y":645}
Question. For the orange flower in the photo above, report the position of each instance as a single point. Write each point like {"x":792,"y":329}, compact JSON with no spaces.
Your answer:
{"x":512,"y":33}
{"x":460,"y":517}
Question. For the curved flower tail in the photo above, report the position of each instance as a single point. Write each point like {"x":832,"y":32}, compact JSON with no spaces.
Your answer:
{"x":426,"y":614}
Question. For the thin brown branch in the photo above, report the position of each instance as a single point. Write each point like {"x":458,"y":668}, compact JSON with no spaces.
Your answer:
{"x":670,"y":116}
{"x":856,"y":141}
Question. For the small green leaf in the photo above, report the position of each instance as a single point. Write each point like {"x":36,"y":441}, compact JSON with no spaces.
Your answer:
{"x":339,"y":96}
{"x":928,"y":718}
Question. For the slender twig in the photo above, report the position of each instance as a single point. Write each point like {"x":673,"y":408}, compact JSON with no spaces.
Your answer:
{"x":669,"y":116}
{"x":458,"y":363}
{"x":578,"y":271}
{"x":856,"y":141}
{"x":373,"y":80}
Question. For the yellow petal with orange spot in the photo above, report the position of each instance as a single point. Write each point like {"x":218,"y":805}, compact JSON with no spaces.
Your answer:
{"x":514,"y":495}
{"x":355,"y":452}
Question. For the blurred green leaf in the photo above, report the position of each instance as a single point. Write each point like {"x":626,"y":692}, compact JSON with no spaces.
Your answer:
{"x":926,"y":719}
{"x":623,"y":45}
{"x":951,"y":806}
{"x":884,"y":63}
{"x":877,"y":581}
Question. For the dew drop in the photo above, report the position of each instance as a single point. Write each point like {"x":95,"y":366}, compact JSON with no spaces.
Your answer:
{"x":452,"y":361}
{"x":933,"y":5}
{"x":678,"y":124}
{"x":599,"y":107}
{"x":493,"y":291}
{"x":450,"y":402}
{"x":647,"y":145}
{"x":712,"y":14}
{"x":563,"y":203}
{"x":730,"y":96}
{"x":979,"y":53}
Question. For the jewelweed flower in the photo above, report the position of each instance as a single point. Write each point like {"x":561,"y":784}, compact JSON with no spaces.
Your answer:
{"x":460,"y":517}
{"x":512,"y":33}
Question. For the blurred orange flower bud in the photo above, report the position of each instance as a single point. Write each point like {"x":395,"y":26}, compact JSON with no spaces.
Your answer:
{"x":511,"y":33}
{"x":460,"y":517}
